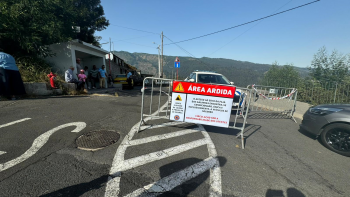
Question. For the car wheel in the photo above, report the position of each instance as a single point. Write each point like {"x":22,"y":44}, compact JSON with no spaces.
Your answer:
{"x":336,"y":137}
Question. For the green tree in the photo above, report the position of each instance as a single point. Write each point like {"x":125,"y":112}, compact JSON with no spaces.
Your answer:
{"x":281,"y":76}
{"x":28,"y":26}
{"x":325,"y":67}
{"x":89,"y":17}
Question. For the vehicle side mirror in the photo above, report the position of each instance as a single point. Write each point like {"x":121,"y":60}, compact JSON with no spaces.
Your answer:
{"x":191,"y":80}
{"x":232,"y":83}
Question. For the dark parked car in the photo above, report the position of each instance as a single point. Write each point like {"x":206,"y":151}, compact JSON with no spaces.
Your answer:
{"x":331,"y":122}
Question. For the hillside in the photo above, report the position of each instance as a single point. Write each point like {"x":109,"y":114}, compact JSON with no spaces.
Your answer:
{"x":240,"y":72}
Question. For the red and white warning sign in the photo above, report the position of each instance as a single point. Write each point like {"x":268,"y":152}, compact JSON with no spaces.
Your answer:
{"x":204,"y":103}
{"x":178,"y":105}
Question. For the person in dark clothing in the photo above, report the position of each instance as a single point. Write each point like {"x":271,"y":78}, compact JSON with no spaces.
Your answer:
{"x":129,"y":79}
{"x":94,"y":76}
{"x":11,"y":84}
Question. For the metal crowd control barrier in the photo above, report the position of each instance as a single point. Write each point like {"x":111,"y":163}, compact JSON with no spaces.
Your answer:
{"x":238,"y":117}
{"x":274,"y":100}
{"x":151,"y":81}
{"x":241,"y":114}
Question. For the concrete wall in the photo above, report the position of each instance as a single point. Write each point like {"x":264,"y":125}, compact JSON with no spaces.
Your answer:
{"x":90,"y":61}
{"x":85,"y":49}
{"x":90,"y":58}
{"x":115,"y":68}
{"x":66,"y":54}
{"x":40,"y":89}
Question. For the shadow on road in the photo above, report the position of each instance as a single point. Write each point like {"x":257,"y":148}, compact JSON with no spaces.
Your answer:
{"x":291,"y":192}
{"x":302,"y":131}
{"x":250,"y":129}
{"x":189,"y":186}
{"x":79,"y":189}
{"x":279,"y":115}
{"x":166,"y":170}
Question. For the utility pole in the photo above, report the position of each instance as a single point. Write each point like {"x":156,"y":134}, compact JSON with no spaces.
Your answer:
{"x":162,"y":55}
{"x":159,"y":72}
{"x":113,"y":48}
{"x":109,"y":55}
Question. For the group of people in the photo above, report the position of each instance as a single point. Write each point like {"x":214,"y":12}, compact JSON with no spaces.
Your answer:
{"x":11,"y":84}
{"x":84,"y":76}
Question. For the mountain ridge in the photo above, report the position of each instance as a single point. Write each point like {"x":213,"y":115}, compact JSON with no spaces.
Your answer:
{"x":242,"y":73}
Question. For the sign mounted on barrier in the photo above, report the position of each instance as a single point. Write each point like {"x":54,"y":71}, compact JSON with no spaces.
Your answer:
{"x":202,"y":103}
{"x":178,"y":105}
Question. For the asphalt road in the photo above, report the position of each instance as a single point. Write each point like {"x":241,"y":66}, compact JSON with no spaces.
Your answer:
{"x":278,"y":159}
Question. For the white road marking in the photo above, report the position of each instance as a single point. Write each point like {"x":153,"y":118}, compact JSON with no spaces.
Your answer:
{"x":215,"y":172}
{"x":177,"y":178}
{"x":148,"y":158}
{"x":157,"y":117}
{"x":170,"y":182}
{"x":14,"y":122}
{"x":40,"y":142}
{"x":161,"y":137}
{"x":161,"y":125}
{"x":2,"y":152}
{"x":112,"y":188}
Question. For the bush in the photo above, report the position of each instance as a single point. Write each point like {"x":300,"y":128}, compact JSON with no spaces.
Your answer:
{"x":36,"y":70}
{"x":33,"y":69}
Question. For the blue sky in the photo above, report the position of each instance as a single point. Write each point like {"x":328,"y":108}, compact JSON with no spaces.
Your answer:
{"x":292,"y":37}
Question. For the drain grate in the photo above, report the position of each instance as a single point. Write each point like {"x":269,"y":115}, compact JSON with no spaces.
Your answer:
{"x":96,"y":140}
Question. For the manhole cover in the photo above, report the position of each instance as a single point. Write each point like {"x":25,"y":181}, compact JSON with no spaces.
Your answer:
{"x":96,"y":140}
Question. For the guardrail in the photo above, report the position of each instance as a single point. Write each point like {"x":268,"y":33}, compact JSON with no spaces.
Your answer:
{"x":274,"y":99}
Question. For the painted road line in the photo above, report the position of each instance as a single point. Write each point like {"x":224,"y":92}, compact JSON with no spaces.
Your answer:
{"x":40,"y":142}
{"x":157,"y":117}
{"x":113,"y":183}
{"x":215,"y":172}
{"x":161,"y":125}
{"x":170,"y":182}
{"x":161,"y":137}
{"x":14,"y":122}
{"x":2,"y":152}
{"x":155,"y":156}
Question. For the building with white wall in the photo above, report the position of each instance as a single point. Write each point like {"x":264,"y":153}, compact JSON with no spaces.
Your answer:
{"x":68,"y":52}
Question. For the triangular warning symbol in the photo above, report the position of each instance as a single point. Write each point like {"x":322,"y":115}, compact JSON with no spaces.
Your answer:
{"x":179,"y":88}
{"x":178,"y":98}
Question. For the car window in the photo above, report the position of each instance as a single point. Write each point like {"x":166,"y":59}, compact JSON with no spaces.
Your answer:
{"x":118,"y":76}
{"x":216,"y":79}
{"x":193,"y":76}
{"x":222,"y":79}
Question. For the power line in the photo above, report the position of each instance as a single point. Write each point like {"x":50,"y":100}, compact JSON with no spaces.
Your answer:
{"x":130,"y":42}
{"x":135,"y":29}
{"x":245,"y":31}
{"x":137,"y":44}
{"x":245,"y":23}
{"x":188,"y":53}
{"x":130,"y":38}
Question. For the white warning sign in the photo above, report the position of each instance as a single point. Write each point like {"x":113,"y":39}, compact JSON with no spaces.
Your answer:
{"x":208,"y":110}
{"x":178,"y":104}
